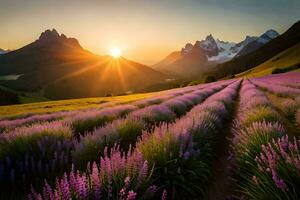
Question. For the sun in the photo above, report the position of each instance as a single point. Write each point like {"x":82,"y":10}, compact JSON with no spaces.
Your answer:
{"x":116,"y":52}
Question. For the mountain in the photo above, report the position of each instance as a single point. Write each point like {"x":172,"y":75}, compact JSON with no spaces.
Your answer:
{"x":260,"y":41}
{"x":189,"y":63}
{"x":245,"y":62}
{"x":2,"y":51}
{"x":171,"y":58}
{"x":60,"y":67}
{"x":220,"y":51}
{"x":228,"y":50}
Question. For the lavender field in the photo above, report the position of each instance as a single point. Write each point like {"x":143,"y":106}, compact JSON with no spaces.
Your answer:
{"x":231,"y":139}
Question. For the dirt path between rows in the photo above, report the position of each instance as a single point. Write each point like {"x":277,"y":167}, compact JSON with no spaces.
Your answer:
{"x":221,"y":187}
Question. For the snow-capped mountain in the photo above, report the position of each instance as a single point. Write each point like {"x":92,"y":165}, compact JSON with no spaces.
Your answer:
{"x":267,"y":36}
{"x":258,"y":42}
{"x":204,"y":54}
{"x":217,"y":50}
{"x":220,"y":51}
{"x":228,"y":50}
{"x":209,"y":45}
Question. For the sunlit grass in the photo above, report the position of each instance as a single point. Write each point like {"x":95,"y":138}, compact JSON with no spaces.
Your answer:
{"x":62,"y":105}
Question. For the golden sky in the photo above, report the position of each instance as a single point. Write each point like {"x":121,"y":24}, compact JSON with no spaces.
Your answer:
{"x":146,"y":31}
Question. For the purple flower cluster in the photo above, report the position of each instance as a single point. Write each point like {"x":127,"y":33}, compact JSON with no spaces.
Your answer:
{"x":92,"y":145}
{"x":153,"y":100}
{"x":249,"y":138}
{"x":153,"y":114}
{"x":117,"y":177}
{"x":180,"y":105}
{"x":34,"y":152}
{"x":56,"y":129}
{"x":87,"y":121}
{"x":280,"y":159}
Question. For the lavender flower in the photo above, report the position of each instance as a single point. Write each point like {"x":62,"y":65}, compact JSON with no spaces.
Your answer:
{"x":117,"y":177}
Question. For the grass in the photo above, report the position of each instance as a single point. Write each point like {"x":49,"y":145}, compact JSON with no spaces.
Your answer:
{"x":73,"y":104}
{"x":282,"y":60}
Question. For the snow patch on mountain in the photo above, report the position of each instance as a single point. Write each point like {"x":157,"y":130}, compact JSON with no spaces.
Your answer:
{"x":220,"y":51}
{"x":267,"y":36}
{"x":272,"y":33}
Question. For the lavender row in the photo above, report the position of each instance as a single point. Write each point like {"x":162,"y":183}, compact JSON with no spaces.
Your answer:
{"x":261,"y":150}
{"x":88,"y":121}
{"x":7,"y":124}
{"x":255,"y":117}
{"x":279,"y":90}
{"x":18,"y":168}
{"x":112,"y":178}
{"x":289,"y":97}
{"x":181,"y":152}
{"x":126,"y":131}
{"x":291,"y":79}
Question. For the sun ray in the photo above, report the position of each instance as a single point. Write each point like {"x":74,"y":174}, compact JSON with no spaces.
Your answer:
{"x":116,"y":52}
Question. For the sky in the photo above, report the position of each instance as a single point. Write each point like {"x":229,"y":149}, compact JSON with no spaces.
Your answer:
{"x":145,"y":30}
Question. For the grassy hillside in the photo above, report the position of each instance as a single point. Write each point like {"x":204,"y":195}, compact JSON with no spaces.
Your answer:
{"x":282,"y":60}
{"x":73,"y":104}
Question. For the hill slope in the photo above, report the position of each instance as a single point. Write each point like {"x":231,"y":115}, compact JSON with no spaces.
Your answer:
{"x":287,"y":58}
{"x":63,"y":69}
{"x":288,"y":39}
{"x":171,"y":58}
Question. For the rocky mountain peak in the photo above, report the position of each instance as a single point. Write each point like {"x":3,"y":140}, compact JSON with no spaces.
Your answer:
{"x":49,"y":35}
{"x":210,"y":38}
{"x":271,"y":33}
{"x":188,"y":47}
{"x":209,"y":45}
{"x":267,"y":36}
{"x":53,"y":38}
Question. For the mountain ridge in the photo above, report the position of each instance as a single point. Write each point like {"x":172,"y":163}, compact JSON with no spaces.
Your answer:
{"x":2,"y":51}
{"x":215,"y":50}
{"x":237,"y":65}
{"x":55,"y":63}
